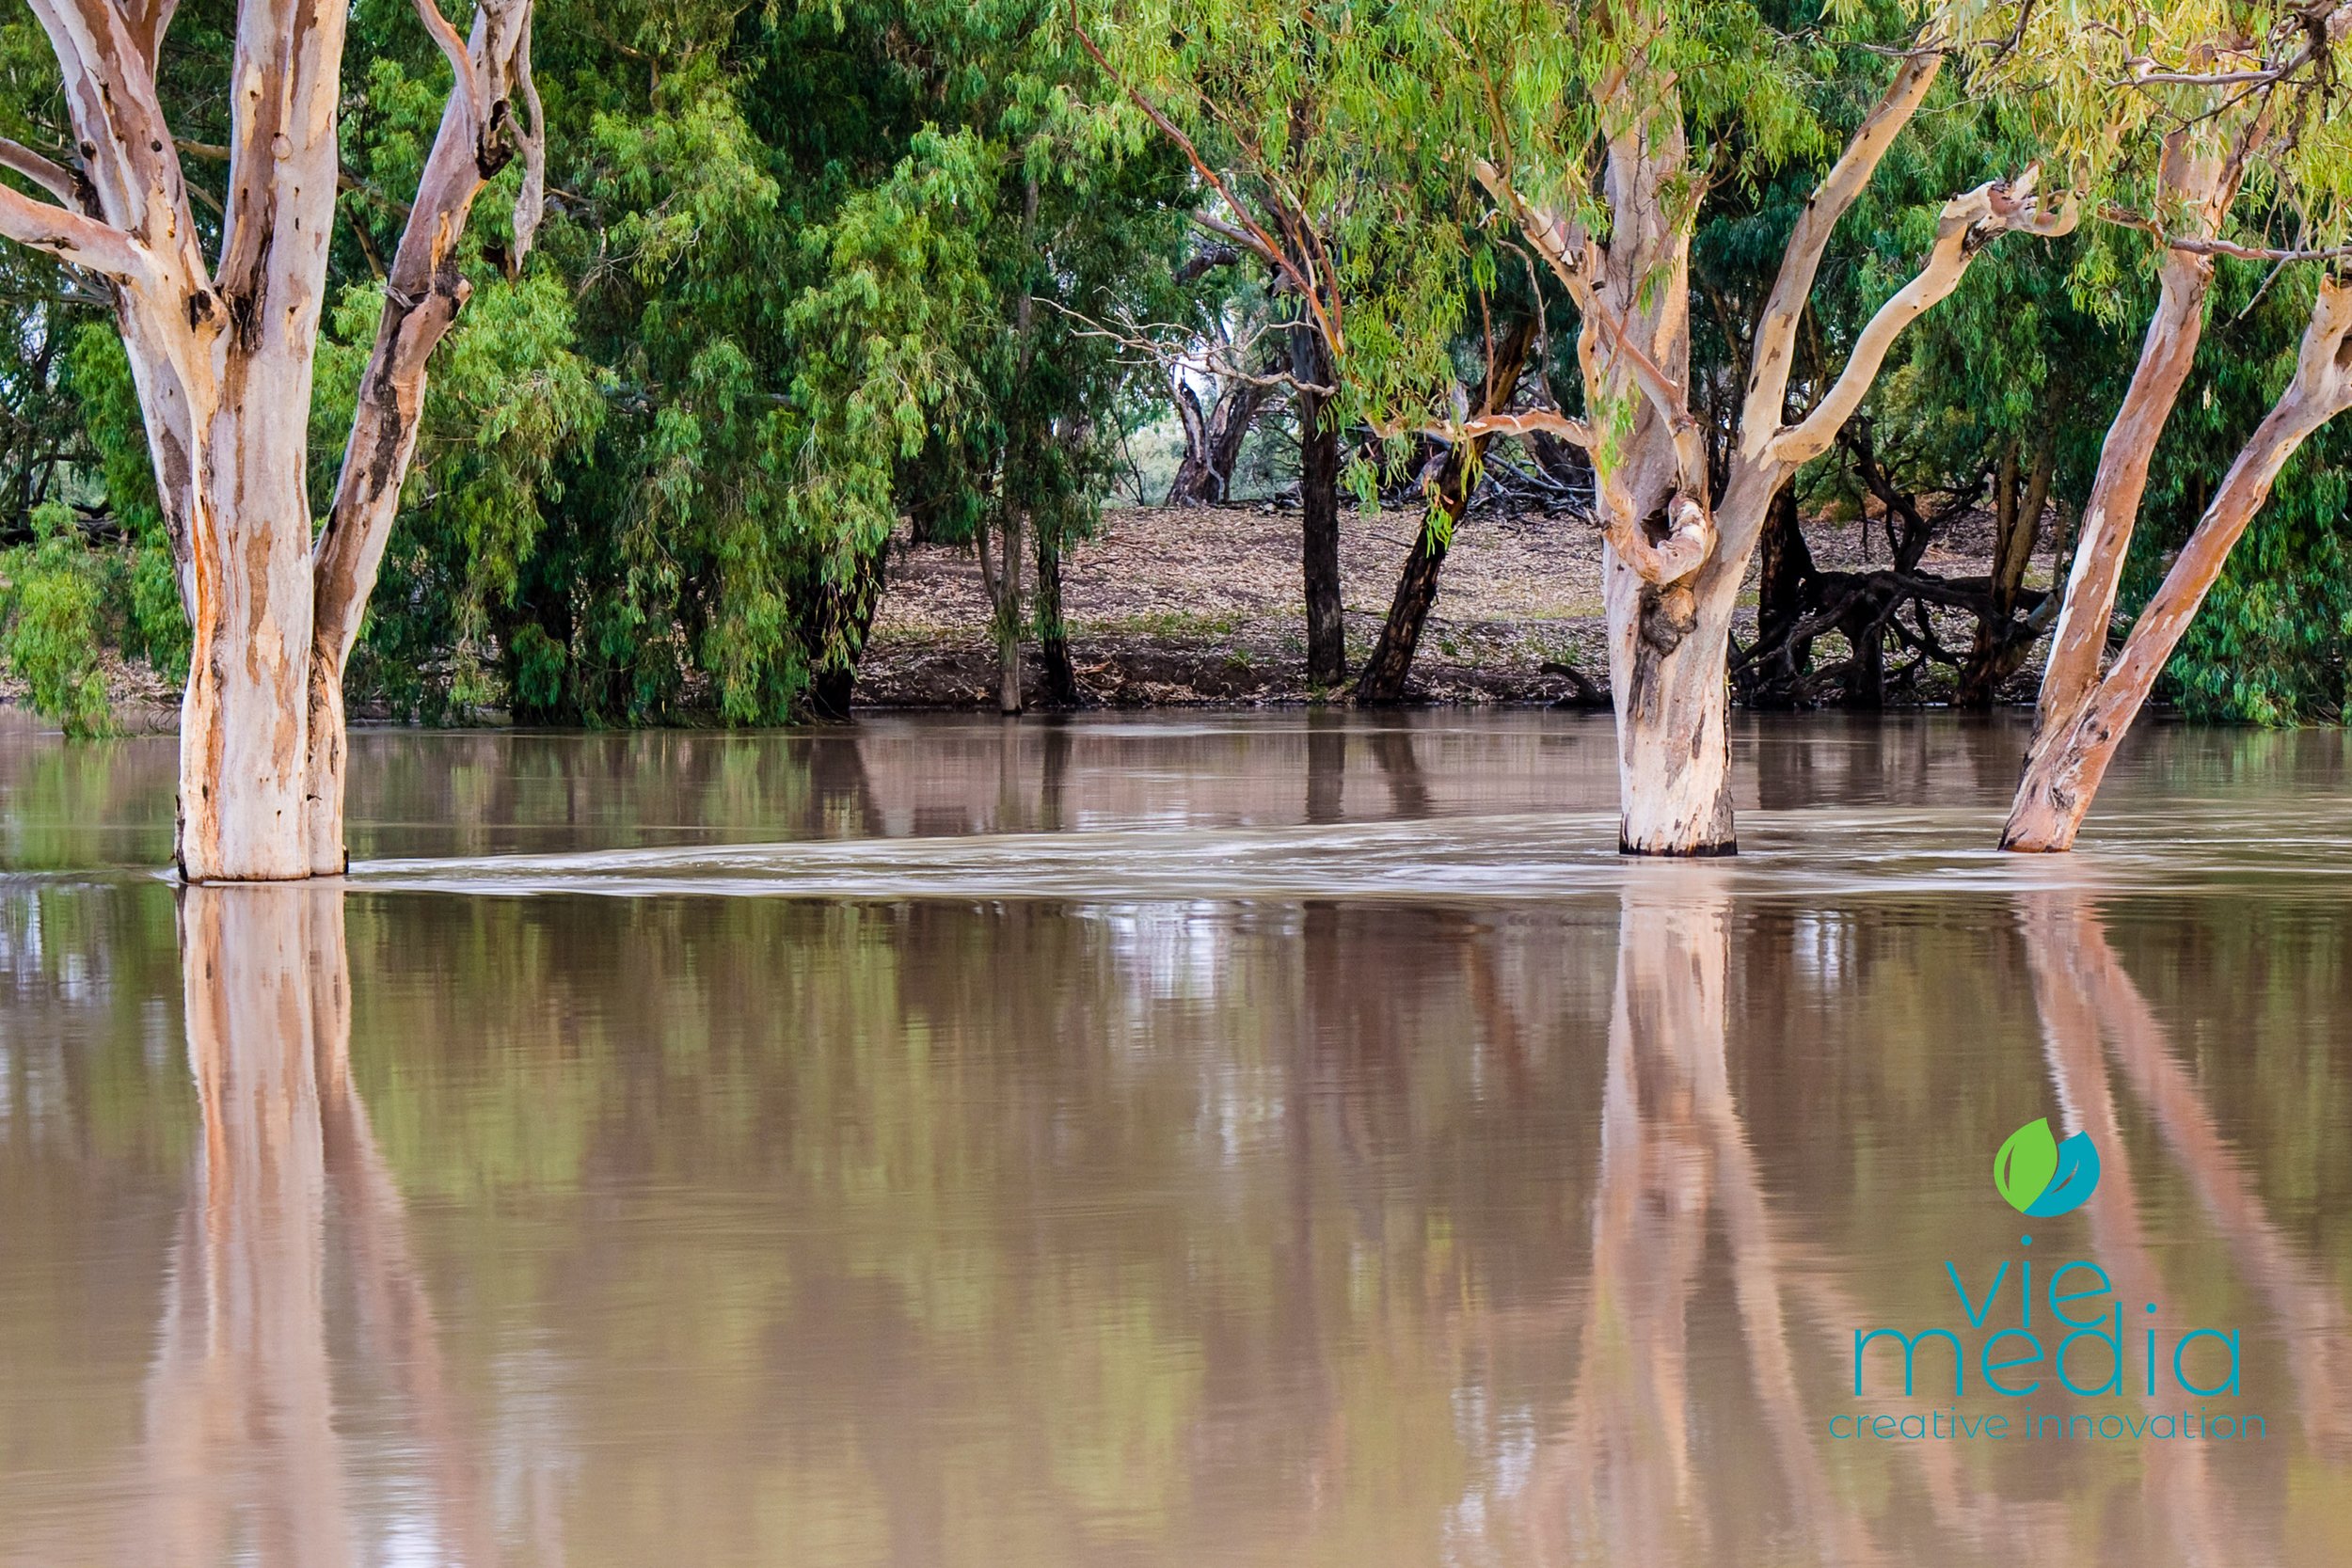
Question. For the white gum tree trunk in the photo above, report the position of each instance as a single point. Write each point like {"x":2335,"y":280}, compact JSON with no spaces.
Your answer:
{"x":2068,"y":763}
{"x":2204,"y":185}
{"x":221,"y":355}
{"x":1676,"y":553}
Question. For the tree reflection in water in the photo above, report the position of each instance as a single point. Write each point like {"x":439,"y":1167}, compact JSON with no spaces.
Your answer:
{"x":290,"y":1198}
{"x":1324,"y":1231}
{"x":1675,"y":1165}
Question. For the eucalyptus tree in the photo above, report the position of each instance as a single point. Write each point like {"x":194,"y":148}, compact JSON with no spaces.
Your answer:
{"x":1310,"y":154}
{"x":221,"y":349}
{"x":2189,"y":116}
{"x":1587,"y":120}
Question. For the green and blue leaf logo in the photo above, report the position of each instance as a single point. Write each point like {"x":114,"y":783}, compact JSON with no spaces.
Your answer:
{"x":2041,"y":1175}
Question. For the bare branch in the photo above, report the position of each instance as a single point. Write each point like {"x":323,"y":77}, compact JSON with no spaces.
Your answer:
{"x":73,"y":237}
{"x":1525,"y":422}
{"x":530,"y":201}
{"x":452,"y":47}
{"x":1969,"y":223}
{"x":1265,"y":245}
{"x":20,"y":159}
{"x":423,"y":291}
{"x":1238,"y":235}
{"x":1775,"y":335}
{"x":2191,"y":244}
{"x":1224,"y":360}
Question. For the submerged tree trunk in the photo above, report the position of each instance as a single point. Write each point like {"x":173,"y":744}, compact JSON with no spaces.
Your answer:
{"x":1383,"y":677}
{"x":2064,"y":771}
{"x":221,"y":357}
{"x":1673,"y":566}
{"x":1319,"y":515}
{"x":2204,"y":185}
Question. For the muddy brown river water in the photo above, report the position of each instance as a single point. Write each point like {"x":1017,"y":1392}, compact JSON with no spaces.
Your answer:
{"x":1261,"y":1138}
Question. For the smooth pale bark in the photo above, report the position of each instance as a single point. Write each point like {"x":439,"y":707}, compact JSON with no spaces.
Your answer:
{"x":423,"y":292}
{"x":221,"y":357}
{"x":1672,"y":565}
{"x":2202,"y":184}
{"x":2063,"y":773}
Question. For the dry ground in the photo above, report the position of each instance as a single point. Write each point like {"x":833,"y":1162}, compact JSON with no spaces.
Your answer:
{"x":1205,"y":606}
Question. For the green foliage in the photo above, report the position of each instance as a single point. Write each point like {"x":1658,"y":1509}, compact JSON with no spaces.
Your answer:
{"x":810,"y":268}
{"x":2273,"y":642}
{"x":51,"y":612}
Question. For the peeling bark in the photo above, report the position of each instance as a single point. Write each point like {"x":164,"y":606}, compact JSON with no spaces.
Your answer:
{"x":1673,"y":563}
{"x":2064,"y":771}
{"x":221,"y":359}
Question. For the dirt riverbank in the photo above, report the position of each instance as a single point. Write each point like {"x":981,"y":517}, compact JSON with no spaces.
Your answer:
{"x":1171,"y":607}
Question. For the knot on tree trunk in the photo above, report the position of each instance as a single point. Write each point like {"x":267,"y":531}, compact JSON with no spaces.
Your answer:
{"x":1670,"y":612}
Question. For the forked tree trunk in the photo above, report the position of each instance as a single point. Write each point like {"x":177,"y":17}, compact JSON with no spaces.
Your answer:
{"x":221,"y":357}
{"x":2204,"y":183}
{"x":1213,"y":440}
{"x":1672,"y":565}
{"x":2064,"y":771}
{"x":1669,"y":628}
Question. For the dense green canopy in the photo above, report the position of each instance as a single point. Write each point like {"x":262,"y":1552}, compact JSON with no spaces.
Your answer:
{"x":810,"y":269}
